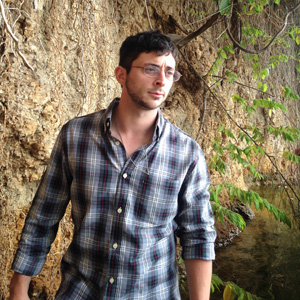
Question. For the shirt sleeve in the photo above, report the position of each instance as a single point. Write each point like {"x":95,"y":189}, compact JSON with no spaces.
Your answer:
{"x":195,"y":217}
{"x":47,"y":209}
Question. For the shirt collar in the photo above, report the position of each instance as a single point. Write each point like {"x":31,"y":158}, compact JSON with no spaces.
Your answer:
{"x":159,"y":124}
{"x":106,"y":119}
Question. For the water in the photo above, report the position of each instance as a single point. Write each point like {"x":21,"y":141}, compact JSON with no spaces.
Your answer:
{"x":265,"y":258}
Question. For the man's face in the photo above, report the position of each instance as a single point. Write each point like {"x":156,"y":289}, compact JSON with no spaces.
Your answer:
{"x":149,"y":92}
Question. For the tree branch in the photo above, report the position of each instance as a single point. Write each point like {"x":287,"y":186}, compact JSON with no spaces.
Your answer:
{"x":203,"y":114}
{"x":204,"y":96}
{"x":238,"y":45}
{"x":246,"y":86}
{"x":9,"y":30}
{"x":146,"y":6}
{"x":182,"y":41}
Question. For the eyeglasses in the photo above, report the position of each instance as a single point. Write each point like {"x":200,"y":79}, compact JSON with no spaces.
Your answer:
{"x":154,"y":71}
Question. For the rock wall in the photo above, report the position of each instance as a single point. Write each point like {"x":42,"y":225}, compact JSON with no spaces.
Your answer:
{"x":73,"y":47}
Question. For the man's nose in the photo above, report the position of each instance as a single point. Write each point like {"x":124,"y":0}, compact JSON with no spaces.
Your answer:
{"x":160,"y":79}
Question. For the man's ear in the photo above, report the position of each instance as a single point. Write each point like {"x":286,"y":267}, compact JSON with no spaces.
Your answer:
{"x":121,"y":74}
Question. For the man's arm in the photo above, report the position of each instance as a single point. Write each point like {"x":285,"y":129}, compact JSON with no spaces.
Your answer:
{"x":199,"y":274}
{"x":196,"y":227}
{"x":47,"y":209}
{"x":19,"y":287}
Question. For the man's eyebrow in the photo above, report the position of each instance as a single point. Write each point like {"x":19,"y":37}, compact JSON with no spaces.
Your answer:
{"x":155,"y":65}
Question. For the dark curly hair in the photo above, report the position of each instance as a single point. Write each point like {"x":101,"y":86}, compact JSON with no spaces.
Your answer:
{"x":146,"y":41}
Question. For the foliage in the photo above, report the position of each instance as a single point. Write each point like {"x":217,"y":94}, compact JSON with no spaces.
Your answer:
{"x":250,"y":7}
{"x":245,"y":143}
{"x":247,"y":197}
{"x":250,"y":135}
{"x":288,"y":93}
{"x":294,"y":34}
{"x":287,"y":133}
{"x":291,"y":156}
{"x":231,"y":290}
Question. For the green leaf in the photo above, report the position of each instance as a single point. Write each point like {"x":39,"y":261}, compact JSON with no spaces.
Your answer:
{"x":216,"y":281}
{"x":220,"y":212}
{"x":288,"y":137}
{"x":219,"y":62}
{"x":234,"y":290}
{"x":225,"y":7}
{"x":284,"y":219}
{"x":229,"y":133}
{"x":289,"y":94}
{"x":256,"y":65}
{"x":229,"y":49}
{"x":229,"y":293}
{"x":275,"y":212}
{"x":291,"y":156}
{"x":264,"y":88}
{"x":247,"y":151}
{"x":217,"y":164}
{"x":236,"y":219}
{"x":264,"y":73}
{"x":259,"y":203}
{"x":219,"y":189}
{"x":267,"y":103}
{"x":223,"y":54}
{"x":255,"y":74}
{"x":287,"y":133}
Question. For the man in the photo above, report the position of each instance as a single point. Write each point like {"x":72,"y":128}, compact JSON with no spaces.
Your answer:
{"x":134,"y":180}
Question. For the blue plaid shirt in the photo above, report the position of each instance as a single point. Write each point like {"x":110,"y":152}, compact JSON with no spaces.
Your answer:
{"x":125,"y":212}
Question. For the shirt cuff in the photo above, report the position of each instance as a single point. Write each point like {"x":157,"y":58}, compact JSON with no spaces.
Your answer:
{"x":27,"y":265}
{"x":205,"y":251}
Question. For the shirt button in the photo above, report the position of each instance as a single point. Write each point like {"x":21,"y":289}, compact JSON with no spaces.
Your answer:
{"x":115,"y":245}
{"x":111,"y":280}
{"x":125,"y":175}
{"x":119,"y":210}
{"x":107,"y":124}
{"x":117,"y":143}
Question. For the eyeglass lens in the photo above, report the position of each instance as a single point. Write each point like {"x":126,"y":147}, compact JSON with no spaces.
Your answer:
{"x":154,"y":71}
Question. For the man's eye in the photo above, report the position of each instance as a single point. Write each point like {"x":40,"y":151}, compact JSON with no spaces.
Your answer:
{"x":151,"y":69}
{"x":170,"y":72}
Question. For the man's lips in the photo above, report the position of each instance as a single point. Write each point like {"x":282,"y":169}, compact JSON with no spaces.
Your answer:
{"x":157,"y":94}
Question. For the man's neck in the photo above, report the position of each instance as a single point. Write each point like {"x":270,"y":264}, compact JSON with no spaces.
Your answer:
{"x":134,"y":120}
{"x":133,"y":127}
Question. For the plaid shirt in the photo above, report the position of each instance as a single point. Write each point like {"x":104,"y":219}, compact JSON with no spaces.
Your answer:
{"x":125,"y":212}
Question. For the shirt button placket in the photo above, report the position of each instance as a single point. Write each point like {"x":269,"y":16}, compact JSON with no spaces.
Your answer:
{"x":119,"y":211}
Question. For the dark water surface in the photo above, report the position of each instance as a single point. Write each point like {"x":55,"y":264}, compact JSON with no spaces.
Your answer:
{"x":266,"y":255}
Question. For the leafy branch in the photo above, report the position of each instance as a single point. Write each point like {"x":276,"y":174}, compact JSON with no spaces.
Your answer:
{"x":250,"y":138}
{"x":246,"y":197}
{"x":219,"y":162}
{"x":238,"y":45}
{"x":231,"y":290}
{"x":231,"y":77}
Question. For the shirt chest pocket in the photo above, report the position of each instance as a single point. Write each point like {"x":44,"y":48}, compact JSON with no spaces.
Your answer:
{"x":155,"y":199}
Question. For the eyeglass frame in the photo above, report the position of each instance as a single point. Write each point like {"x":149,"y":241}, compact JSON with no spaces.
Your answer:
{"x":160,"y":68}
